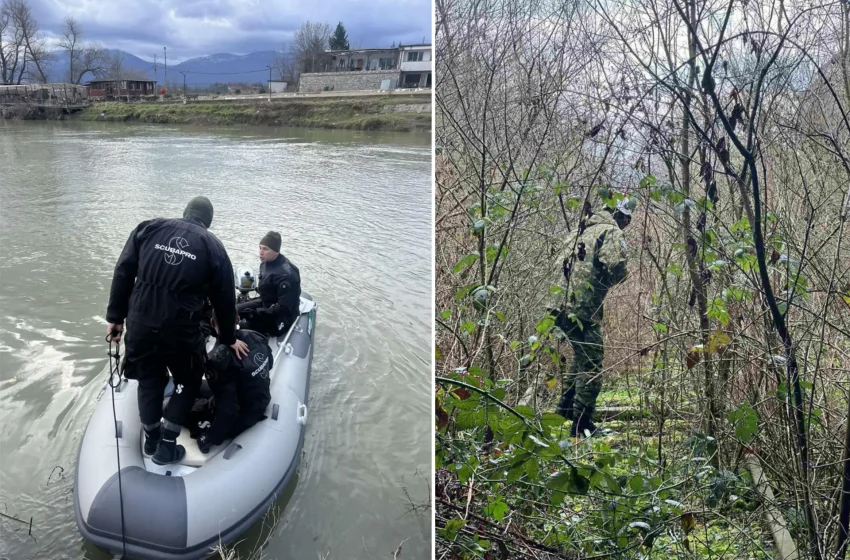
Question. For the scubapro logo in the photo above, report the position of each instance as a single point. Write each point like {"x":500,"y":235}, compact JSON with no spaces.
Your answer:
{"x":175,"y":250}
{"x":261,"y":361}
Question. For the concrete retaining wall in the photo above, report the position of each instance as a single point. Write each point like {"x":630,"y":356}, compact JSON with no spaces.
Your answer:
{"x":345,"y":81}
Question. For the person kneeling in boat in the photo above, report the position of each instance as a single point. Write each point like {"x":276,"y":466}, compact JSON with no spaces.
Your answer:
{"x":240,"y":387}
{"x":280,"y":291}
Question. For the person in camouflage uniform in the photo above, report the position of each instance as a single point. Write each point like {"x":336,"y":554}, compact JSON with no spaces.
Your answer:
{"x":594,"y":260}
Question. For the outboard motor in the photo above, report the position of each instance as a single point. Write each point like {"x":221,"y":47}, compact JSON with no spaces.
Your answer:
{"x":245,"y":283}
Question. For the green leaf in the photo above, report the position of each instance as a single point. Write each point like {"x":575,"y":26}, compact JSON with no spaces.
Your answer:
{"x":604,"y":481}
{"x":453,"y":527}
{"x":498,"y":393}
{"x":660,"y":327}
{"x":532,"y":469}
{"x":718,"y":339}
{"x":557,"y":498}
{"x":525,"y":411}
{"x":500,"y":316}
{"x":516,"y":473}
{"x":569,"y":481}
{"x":741,"y":225}
{"x":463,"y":472}
{"x":551,"y":421}
{"x":556,"y":291}
{"x":636,"y":483}
{"x":493,"y":250}
{"x":545,"y":324}
{"x":468,"y":327}
{"x":745,"y":420}
{"x":717,"y":310}
{"x":447,"y":314}
{"x":559,"y":480}
{"x":469,"y":419}
{"x":463,"y":291}
{"x":496,"y":508}
{"x":648,"y":181}
{"x":465,"y":262}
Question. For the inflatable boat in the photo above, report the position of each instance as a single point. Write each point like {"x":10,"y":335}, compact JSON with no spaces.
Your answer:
{"x":183,"y":511}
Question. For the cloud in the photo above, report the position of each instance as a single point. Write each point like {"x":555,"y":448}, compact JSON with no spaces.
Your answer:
{"x":199,"y":27}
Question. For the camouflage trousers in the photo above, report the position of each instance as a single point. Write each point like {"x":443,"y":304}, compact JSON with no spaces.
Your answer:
{"x":582,"y":381}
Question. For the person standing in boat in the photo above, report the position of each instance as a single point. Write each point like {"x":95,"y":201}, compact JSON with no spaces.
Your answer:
{"x":240,"y":387}
{"x":280,"y":291}
{"x":166,"y":270}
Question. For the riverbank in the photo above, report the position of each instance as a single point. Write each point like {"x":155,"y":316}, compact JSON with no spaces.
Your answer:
{"x":396,"y":113}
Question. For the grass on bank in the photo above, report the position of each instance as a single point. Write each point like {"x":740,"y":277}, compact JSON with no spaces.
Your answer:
{"x":356,"y":114}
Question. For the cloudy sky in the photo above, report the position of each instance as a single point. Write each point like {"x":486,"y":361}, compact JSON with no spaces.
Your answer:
{"x":193,"y":28}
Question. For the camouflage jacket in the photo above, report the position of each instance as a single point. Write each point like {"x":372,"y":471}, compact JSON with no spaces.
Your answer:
{"x":600,"y":263}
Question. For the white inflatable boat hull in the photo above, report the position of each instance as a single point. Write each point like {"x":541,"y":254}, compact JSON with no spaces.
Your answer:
{"x":183,"y":511}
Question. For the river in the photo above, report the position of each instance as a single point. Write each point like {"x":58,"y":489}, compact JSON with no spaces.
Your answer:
{"x":354,"y":211}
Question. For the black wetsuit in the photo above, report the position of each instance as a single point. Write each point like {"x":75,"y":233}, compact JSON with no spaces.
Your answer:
{"x":240,"y":387}
{"x":167,"y":269}
{"x":280,"y":298}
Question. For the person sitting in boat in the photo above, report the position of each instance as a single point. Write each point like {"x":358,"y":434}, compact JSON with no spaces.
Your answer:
{"x":280,"y":291}
{"x":165,"y":272}
{"x":240,"y":387}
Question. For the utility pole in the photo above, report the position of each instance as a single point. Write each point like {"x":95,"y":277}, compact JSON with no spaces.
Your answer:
{"x":154,"y":68}
{"x":184,"y":84}
{"x":270,"y":82}
{"x":165,"y":80}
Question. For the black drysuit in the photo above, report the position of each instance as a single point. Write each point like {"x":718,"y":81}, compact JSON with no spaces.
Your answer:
{"x":167,"y":269}
{"x":280,"y":298}
{"x":240,"y":387}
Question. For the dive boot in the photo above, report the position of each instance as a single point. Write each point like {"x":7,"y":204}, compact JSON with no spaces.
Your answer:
{"x":151,"y":440}
{"x":168,"y":452}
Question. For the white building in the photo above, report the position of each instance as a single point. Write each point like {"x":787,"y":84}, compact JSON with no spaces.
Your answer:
{"x":407,"y":66}
{"x":416,"y":63}
{"x":363,"y":60}
{"x":276,"y":86}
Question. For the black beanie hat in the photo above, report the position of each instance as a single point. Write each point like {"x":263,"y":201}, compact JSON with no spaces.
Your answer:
{"x":200,"y":208}
{"x":272,"y":241}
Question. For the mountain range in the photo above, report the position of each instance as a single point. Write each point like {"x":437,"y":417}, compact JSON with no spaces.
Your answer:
{"x":201,"y":71}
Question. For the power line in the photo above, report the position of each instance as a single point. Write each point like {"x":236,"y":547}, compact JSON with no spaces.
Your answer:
{"x":229,"y":73}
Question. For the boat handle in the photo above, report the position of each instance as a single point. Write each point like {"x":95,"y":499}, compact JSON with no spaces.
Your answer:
{"x":287,"y":349}
{"x":302,"y":415}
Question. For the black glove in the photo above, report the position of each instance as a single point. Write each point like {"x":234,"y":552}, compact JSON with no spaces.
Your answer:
{"x":268,"y":312}
{"x":204,"y":443}
{"x":197,"y":429}
{"x":248,"y":313}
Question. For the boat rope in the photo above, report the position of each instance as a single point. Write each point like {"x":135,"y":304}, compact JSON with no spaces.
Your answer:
{"x":115,"y":371}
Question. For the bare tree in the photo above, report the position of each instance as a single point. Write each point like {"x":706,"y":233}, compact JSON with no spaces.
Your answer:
{"x":83,"y":58}
{"x":13,"y":60}
{"x":285,"y":64}
{"x":309,"y":48}
{"x":28,"y":49}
